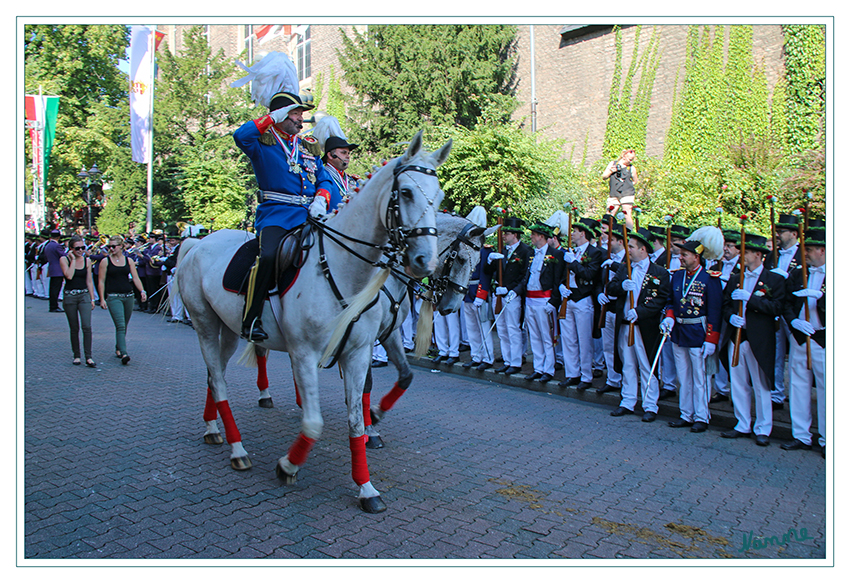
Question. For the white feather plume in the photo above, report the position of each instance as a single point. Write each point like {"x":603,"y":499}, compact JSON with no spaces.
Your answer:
{"x":272,"y":74}
{"x":711,"y":238}
{"x":478,"y":216}
{"x":559,"y":219}
{"x":327,"y":126}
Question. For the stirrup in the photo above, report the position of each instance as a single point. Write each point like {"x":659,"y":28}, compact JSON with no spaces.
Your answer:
{"x":254,"y":332}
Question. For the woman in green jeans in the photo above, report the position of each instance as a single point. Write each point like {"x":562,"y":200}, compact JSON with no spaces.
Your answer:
{"x":115,"y":280}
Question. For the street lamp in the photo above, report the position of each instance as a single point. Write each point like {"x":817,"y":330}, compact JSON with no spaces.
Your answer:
{"x":89,"y":176}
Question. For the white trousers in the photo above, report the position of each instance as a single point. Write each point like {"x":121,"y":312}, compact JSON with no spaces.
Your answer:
{"x":511,"y":336}
{"x":379,"y":353}
{"x":178,"y":311}
{"x":577,"y":339}
{"x":408,"y":326}
{"x":480,"y":342}
{"x":667,"y":363}
{"x":693,"y":392}
{"x":777,"y":391}
{"x":464,"y":339}
{"x":39,"y":289}
{"x":537,"y":320}
{"x":747,"y":381}
{"x":800,"y":394}
{"x":614,"y":378}
{"x":636,"y":365}
{"x":27,"y":282}
{"x":447,"y":334}
{"x":598,"y":353}
{"x":721,"y":379}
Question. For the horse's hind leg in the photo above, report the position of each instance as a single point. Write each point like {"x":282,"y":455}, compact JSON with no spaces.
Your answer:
{"x":217,"y":346}
{"x":373,"y":438}
{"x":263,"y":378}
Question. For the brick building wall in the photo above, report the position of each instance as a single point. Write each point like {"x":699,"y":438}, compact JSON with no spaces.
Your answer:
{"x":573,"y":82}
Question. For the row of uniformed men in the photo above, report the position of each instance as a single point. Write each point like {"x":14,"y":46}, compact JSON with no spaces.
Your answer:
{"x":682,"y":293}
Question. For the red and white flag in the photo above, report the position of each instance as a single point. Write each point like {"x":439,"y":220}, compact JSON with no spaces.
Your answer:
{"x":268,"y":32}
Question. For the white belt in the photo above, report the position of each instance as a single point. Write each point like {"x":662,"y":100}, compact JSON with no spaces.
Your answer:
{"x":691,"y":320}
{"x":294,"y":199}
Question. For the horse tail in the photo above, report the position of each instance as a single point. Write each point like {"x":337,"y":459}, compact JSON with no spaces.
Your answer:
{"x":185,"y":247}
{"x":360,"y":302}
{"x":248,"y":357}
{"x":423,"y":329}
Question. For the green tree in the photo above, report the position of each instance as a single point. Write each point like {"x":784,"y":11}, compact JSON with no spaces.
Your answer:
{"x":408,"y":78}
{"x":79,"y":63}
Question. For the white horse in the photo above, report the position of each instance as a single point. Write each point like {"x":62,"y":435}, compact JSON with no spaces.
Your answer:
{"x":398,"y":207}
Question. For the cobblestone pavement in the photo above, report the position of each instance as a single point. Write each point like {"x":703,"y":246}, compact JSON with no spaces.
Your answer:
{"x":115,"y":467}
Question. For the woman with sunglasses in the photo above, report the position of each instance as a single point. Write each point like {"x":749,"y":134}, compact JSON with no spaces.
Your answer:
{"x":77,"y":299}
{"x":116,"y":277}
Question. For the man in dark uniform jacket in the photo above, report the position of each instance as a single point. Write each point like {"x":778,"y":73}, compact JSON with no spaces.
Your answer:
{"x":649,"y":286}
{"x":762,"y":294}
{"x":539,"y":290}
{"x":610,"y":267}
{"x":692,"y":317}
{"x":584,"y":262}
{"x":814,"y":329}
{"x":514,"y":260}
{"x":53,"y":252}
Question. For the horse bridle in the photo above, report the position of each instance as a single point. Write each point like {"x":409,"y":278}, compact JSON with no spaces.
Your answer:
{"x":398,"y":234}
{"x":443,"y":282}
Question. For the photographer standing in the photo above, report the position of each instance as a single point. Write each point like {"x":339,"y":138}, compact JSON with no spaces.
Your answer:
{"x":621,"y":176}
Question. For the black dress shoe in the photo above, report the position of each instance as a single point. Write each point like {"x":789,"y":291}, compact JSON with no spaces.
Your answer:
{"x":437,"y":359}
{"x":483,"y":366}
{"x":570,"y":382}
{"x":379,"y":363}
{"x":471,"y":364}
{"x":512,"y":370}
{"x":502,"y":369}
{"x":545,"y":378}
{"x":256,"y":333}
{"x":778,"y":406}
{"x":583,"y":386}
{"x":699,"y":427}
{"x":794,"y":444}
{"x":533,"y":376}
{"x":718,"y":398}
{"x":666,"y":394}
{"x":648,"y":417}
{"x":606,"y":389}
{"x":620,"y":411}
{"x":680,"y":423}
{"x":559,"y":366}
{"x":464,"y":348}
{"x":733,"y":434}
{"x":597,"y":373}
{"x":450,"y":360}
{"x":762,"y":440}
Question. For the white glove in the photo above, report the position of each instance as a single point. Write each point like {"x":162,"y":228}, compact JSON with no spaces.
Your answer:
{"x":501,"y":291}
{"x":602,"y":299}
{"x":741,"y":294}
{"x":278,"y":115}
{"x":781,"y":272}
{"x":511,"y":296}
{"x":565,"y":291}
{"x":569,"y":256}
{"x":629,"y":285}
{"x":667,"y":325}
{"x":737,"y":321}
{"x":631,"y":316}
{"x":319,"y":207}
{"x":493,"y":256}
{"x":803,"y":326}
{"x":607,"y":262}
{"x":708,"y":349}
{"x":478,"y":302}
{"x":809,"y":293}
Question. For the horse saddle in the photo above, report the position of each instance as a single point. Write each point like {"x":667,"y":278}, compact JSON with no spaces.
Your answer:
{"x":291,"y":255}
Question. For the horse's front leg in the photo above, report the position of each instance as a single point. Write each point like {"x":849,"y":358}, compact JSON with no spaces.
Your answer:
{"x":395,"y":354}
{"x":263,"y":377}
{"x":355,"y":367}
{"x":305,"y":373}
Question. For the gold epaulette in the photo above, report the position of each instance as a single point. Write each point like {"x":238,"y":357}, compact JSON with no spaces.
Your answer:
{"x":312,"y":145}
{"x":267,"y":139}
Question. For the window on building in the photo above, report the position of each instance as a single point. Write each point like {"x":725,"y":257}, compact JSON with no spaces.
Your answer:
{"x":302,"y":52}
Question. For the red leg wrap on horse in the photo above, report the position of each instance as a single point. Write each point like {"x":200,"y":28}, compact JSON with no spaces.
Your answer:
{"x":210,"y":412}
{"x":262,"y":377}
{"x":390,"y":398}
{"x":359,"y":467}
{"x":297,"y":395}
{"x":299,"y":450}
{"x":367,"y":414}
{"x":230,"y":431}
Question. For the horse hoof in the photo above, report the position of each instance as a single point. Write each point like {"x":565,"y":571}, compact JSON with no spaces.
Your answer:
{"x":375,"y":442}
{"x":213,"y":438}
{"x":240,"y":464}
{"x":376,"y":415}
{"x":372,"y":505}
{"x":284,"y":476}
{"x":267,"y":403}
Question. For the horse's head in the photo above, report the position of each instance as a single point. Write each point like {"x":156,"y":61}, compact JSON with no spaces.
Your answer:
{"x":460,"y":242}
{"x":412,"y":206}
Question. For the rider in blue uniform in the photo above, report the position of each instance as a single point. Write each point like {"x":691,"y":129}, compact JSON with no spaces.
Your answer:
{"x":293,"y":182}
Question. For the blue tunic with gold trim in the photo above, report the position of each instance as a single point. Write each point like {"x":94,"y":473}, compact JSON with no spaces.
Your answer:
{"x":695,"y":303}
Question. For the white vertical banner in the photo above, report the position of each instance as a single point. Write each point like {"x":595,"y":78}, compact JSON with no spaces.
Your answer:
{"x":141,"y":91}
